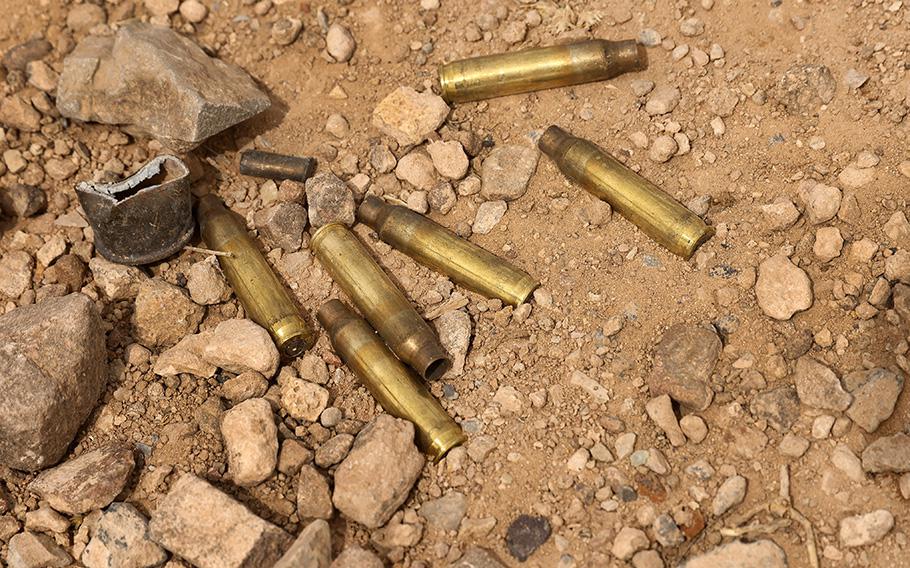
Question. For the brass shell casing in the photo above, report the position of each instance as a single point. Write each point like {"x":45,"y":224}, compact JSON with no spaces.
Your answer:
{"x":397,"y":389}
{"x":380,"y":301}
{"x":264,"y":297}
{"x":539,"y":68}
{"x":657,"y":214}
{"x":442,"y":250}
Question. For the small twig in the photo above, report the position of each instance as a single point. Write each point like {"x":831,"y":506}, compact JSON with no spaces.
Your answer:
{"x":208,"y":251}
{"x":811,"y":547}
{"x":758,"y":528}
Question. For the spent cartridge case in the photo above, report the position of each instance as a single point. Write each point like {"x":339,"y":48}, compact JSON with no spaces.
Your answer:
{"x":397,"y":389}
{"x":654,"y":212}
{"x":264,"y":297}
{"x":380,"y":301}
{"x":435,"y":246}
{"x":276,"y":166}
{"x":539,"y":68}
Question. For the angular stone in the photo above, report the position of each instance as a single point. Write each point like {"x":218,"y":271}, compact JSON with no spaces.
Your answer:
{"x":121,"y":540}
{"x":377,"y":475}
{"x":782,"y":288}
{"x":408,"y":116}
{"x":863,"y":530}
{"x":16,"y":271}
{"x":22,"y":200}
{"x":890,"y":454}
{"x":822,"y":202}
{"x":683,"y":362}
{"x":314,"y":498}
{"x":476,"y":557}
{"x":803,"y":88}
{"x":417,"y":169}
{"x":781,"y":214}
{"x":158,"y":83}
{"x":116,"y":281}
{"x":329,"y":200}
{"x":449,"y":158}
{"x":660,"y":411}
{"x":488,"y":216}
{"x":212,"y":530}
{"x":87,"y":482}
{"x":731,"y":493}
{"x":282,"y":225}
{"x":663,"y":100}
{"x":53,"y":367}
{"x":30,"y":550}
{"x":505,"y":173}
{"x":311,"y":549}
{"x":818,"y":386}
{"x":186,"y":357}
{"x":239,"y":345}
{"x":356,"y":557}
{"x":629,"y":541}
{"x":526,"y":534}
{"x":206,"y":284}
{"x":333,"y":450}
{"x":446,"y":512}
{"x":303,"y":400}
{"x":454,"y":330}
{"x":897,"y":266}
{"x":874,"y":400}
{"x":780,"y":407}
{"x":739,"y":554}
{"x":20,"y":55}
{"x":164,"y":314}
{"x":250,"y":441}
{"x":18,"y":113}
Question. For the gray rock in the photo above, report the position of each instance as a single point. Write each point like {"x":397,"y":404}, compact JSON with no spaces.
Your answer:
{"x":803,"y":88}
{"x":311,"y":549}
{"x":818,"y":386}
{"x":505,"y":173}
{"x":526,"y":534}
{"x":22,"y":200}
{"x":164,"y":314}
{"x":286,"y":30}
{"x":731,"y":493}
{"x":488,"y":216}
{"x":53,"y":366}
{"x":454,"y":330}
{"x":446,"y":512}
{"x":874,"y":400}
{"x":862,"y":530}
{"x":333,"y":450}
{"x":156,"y":82}
{"x":314,"y":498}
{"x":408,"y":116}
{"x":890,"y":454}
{"x":442,"y":197}
{"x":356,"y":557}
{"x":20,"y":55}
{"x":666,"y":531}
{"x":30,"y":550}
{"x":250,"y":441}
{"x":377,"y":475}
{"x":780,"y":407}
{"x":683,"y":362}
{"x":477,"y":557}
{"x":87,"y":482}
{"x":121,"y":540}
{"x":738,"y":554}
{"x":282,"y":225}
{"x":212,"y":530}
{"x":329,"y":200}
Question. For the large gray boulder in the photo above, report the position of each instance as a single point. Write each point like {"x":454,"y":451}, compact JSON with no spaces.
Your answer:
{"x":156,"y":82}
{"x":52,"y":370}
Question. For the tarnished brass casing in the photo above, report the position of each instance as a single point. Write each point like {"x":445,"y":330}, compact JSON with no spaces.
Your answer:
{"x":657,"y":214}
{"x":276,"y":166}
{"x":380,"y":301}
{"x":264,"y":297}
{"x":400,"y":392}
{"x":539,"y":68}
{"x":435,"y":246}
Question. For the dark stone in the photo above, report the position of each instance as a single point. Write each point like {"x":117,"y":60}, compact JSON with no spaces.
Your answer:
{"x":798,"y":344}
{"x":780,"y":407}
{"x":526,"y":534}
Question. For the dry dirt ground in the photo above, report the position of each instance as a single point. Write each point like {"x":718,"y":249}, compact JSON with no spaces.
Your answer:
{"x":592,"y":273}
